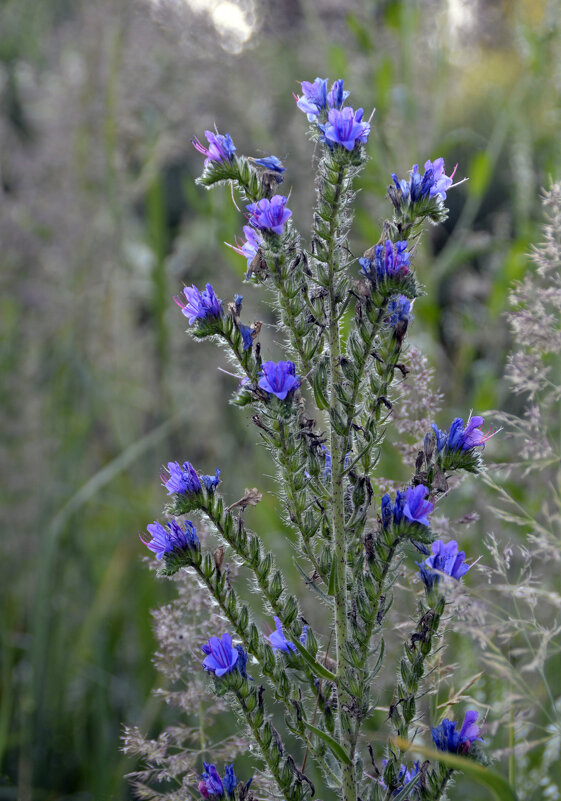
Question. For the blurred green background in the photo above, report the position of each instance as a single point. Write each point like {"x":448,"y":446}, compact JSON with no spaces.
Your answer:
{"x":101,"y":223}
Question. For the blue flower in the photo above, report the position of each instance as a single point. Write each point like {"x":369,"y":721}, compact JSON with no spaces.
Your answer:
{"x":389,"y":259}
{"x":387,"y":510}
{"x":314,"y":98}
{"x":404,"y":776}
{"x":469,"y":437}
{"x":344,"y":127}
{"x":238,"y":300}
{"x":250,"y":247}
{"x":398,"y":506}
{"x":269,"y":214}
{"x":279,"y":378}
{"x":446,"y":738}
{"x":247,"y":336}
{"x":220,"y":148}
{"x":182,"y":480}
{"x":271,"y":163}
{"x":337,"y":95}
{"x":221,"y":655}
{"x":278,"y":640}
{"x":433,"y":183}
{"x":399,"y":310}
{"x":200,"y":305}
{"x":230,"y":781}
{"x":211,"y":785}
{"x":445,"y":559}
{"x":441,"y":437}
{"x":171,"y":537}
{"x":211,"y":482}
{"x":416,"y":508}
{"x":392,"y":512}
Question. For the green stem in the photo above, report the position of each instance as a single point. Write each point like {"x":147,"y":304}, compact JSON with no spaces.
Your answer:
{"x":295,"y":514}
{"x":257,"y":736}
{"x":242,"y":633}
{"x":337,"y":444}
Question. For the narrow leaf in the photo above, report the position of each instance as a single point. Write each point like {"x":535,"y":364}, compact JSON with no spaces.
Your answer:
{"x":337,"y":749}
{"x":320,"y":670}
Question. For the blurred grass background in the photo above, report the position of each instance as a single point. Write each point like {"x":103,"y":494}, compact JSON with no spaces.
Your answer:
{"x":100,"y":224}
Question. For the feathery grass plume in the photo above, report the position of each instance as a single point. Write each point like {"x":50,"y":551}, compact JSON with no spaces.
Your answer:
{"x":323,"y":413}
{"x":516,"y":615}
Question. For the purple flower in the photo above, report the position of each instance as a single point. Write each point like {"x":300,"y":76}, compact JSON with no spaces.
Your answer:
{"x":171,"y":537}
{"x":278,"y":640}
{"x":247,"y":336}
{"x":271,"y":163}
{"x":211,"y":785}
{"x":211,"y":482}
{"x":337,"y":95}
{"x":441,"y":437}
{"x":434,"y":182}
{"x":389,"y":260}
{"x":221,"y":655}
{"x":279,"y":378}
{"x":399,"y":310}
{"x":250,"y":247}
{"x":220,"y":147}
{"x":446,"y":738}
{"x":314,"y":98}
{"x":416,"y":508}
{"x":230,"y":781}
{"x":404,"y":776}
{"x":200,"y":305}
{"x":345,"y":128}
{"x":392,"y":512}
{"x":182,"y":480}
{"x":471,"y":436}
{"x":269,"y":214}
{"x":445,"y":559}
{"x":387,"y":510}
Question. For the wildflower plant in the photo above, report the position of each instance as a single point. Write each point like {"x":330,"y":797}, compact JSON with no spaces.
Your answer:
{"x":323,"y":413}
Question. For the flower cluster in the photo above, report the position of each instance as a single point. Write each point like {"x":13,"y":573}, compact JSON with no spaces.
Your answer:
{"x":343,"y":127}
{"x":220,"y":148}
{"x":199,"y":305}
{"x":316,"y":99}
{"x":269,"y":215}
{"x":446,"y":738}
{"x":389,"y":260}
{"x":212,"y":786}
{"x":171,"y":537}
{"x":399,"y":310}
{"x":433,"y":183}
{"x":410,"y":505}
{"x":460,"y":437}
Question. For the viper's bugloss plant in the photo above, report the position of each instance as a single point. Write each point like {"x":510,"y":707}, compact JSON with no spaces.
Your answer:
{"x":323,"y":414}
